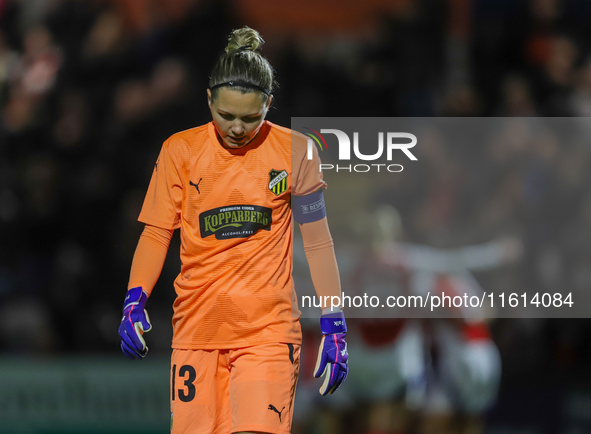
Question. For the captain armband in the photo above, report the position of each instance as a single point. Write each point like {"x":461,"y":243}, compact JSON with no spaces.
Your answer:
{"x":309,"y":208}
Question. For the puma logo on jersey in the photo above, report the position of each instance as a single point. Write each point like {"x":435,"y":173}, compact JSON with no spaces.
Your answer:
{"x":344,"y":352}
{"x":272,"y":407}
{"x":196,"y":185}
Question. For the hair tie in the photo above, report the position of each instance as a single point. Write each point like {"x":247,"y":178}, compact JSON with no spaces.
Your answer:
{"x":245,"y":47}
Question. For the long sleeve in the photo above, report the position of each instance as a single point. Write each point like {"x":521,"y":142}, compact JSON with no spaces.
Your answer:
{"x":149,"y":257}
{"x":322,"y":262}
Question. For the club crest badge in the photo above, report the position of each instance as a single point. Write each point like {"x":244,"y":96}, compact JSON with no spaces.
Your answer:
{"x":278,"y":181}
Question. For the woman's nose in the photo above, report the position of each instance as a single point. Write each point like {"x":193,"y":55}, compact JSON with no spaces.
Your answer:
{"x":238,"y":128}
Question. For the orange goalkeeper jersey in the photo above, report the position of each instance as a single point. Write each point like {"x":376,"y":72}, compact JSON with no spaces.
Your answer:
{"x":233,"y":209}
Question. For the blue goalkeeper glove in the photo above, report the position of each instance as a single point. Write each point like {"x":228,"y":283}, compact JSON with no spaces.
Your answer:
{"x":332,"y":355}
{"x":134,"y":323}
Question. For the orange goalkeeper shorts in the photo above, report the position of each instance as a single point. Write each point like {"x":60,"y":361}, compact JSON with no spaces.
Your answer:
{"x":229,"y":391}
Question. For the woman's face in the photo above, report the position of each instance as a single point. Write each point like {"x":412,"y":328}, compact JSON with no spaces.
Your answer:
{"x":237,"y":116}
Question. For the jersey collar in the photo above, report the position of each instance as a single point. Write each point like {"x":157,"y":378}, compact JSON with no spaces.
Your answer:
{"x":260,"y":138}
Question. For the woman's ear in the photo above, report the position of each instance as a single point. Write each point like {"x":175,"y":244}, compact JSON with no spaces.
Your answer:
{"x":209,"y":98}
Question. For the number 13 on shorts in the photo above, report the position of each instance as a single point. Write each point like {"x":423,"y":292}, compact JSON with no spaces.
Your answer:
{"x":248,"y":389}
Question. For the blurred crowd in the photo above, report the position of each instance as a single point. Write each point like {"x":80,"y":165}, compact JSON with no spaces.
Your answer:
{"x":89,"y":89}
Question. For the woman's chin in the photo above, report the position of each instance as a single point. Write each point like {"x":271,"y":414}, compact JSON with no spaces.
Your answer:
{"x":235,"y":144}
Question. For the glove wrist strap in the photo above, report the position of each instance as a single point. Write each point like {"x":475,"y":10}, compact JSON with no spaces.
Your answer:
{"x":135,"y":296}
{"x":332,"y":309}
{"x":333,"y":323}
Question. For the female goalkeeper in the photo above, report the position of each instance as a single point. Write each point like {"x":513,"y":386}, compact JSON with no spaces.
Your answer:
{"x":231,"y":187}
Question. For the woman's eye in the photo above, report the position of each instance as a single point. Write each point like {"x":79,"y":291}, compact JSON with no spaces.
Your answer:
{"x":227,"y":117}
{"x":252,"y":119}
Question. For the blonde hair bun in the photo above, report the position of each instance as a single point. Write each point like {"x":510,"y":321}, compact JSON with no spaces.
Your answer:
{"x":244,"y":38}
{"x":242,"y":67}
